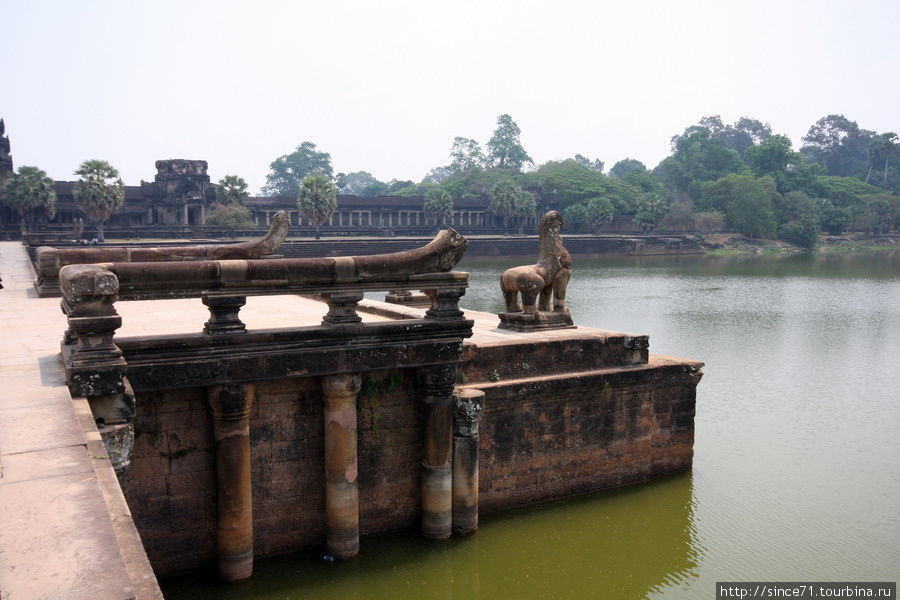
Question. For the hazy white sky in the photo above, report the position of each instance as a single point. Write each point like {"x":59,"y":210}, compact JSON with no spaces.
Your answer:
{"x":384,"y":86}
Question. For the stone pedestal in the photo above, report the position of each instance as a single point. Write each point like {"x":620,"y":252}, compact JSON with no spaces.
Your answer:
{"x":540,"y":320}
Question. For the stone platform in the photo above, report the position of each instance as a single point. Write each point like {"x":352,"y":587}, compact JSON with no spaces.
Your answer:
{"x":566,"y":411}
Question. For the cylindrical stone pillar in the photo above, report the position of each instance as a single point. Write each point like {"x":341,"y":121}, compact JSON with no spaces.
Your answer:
{"x":341,"y":493}
{"x":437,"y":499}
{"x":231,"y":405}
{"x":468,"y":405}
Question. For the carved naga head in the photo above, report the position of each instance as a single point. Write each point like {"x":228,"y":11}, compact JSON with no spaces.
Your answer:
{"x":455,"y":247}
{"x":551,"y":222}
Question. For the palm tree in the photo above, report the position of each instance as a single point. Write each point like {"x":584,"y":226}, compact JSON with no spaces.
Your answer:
{"x":30,"y":190}
{"x":881,"y":148}
{"x":232,"y":190}
{"x":438,"y":205}
{"x":317,"y":200}
{"x":526,"y":207}
{"x":504,"y":195}
{"x":99,"y":192}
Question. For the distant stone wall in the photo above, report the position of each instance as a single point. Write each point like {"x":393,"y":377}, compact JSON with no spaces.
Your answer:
{"x":541,"y":438}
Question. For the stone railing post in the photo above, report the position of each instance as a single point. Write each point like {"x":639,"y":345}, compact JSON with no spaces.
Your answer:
{"x":231,"y":404}
{"x":437,"y":385}
{"x":445,"y":304}
{"x":96,"y":365}
{"x":342,"y":309}
{"x":223,"y":314}
{"x":468,"y":405}
{"x":341,"y":493}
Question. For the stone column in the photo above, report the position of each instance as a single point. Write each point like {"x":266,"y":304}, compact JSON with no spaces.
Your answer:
{"x":230,"y":406}
{"x":268,"y":218}
{"x":341,"y":469}
{"x":437,"y":499}
{"x":468,"y":405}
{"x":185,"y":215}
{"x":202,"y":215}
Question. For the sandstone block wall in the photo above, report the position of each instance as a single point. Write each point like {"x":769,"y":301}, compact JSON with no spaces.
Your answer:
{"x":541,"y":438}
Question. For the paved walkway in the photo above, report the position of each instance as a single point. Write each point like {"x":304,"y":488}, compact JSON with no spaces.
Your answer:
{"x":64,"y":524}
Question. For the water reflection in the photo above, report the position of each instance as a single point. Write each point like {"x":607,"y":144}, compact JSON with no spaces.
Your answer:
{"x":622,"y":544}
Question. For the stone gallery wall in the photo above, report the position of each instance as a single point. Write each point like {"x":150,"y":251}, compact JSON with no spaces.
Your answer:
{"x":541,"y":438}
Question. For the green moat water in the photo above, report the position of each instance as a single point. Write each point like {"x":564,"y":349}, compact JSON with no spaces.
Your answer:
{"x":797,"y":455}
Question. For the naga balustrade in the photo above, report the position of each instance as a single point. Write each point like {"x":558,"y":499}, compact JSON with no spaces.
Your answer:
{"x":226,"y":359}
{"x":49,"y":260}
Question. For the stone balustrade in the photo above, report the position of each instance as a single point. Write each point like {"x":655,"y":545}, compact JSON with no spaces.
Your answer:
{"x":49,"y":260}
{"x":228,"y":360}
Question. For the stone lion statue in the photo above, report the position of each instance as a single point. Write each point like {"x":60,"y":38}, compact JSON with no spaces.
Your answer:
{"x":549,"y":276}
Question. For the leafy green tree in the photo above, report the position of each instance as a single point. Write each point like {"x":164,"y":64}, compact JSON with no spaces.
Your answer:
{"x":360,"y":183}
{"x":504,"y":148}
{"x":317,"y":200}
{"x":746,"y":201}
{"x":438,"y":205}
{"x":465,"y":154}
{"x":626,"y":166}
{"x":835,"y":219}
{"x":593,"y":165}
{"x":28,"y":191}
{"x":99,"y":192}
{"x":839,"y":145}
{"x":744,"y":134}
{"x":649,"y":211}
{"x":230,"y":217}
{"x":476,"y":183}
{"x":232,"y":190}
{"x":563,"y":183}
{"x":398,"y":187}
{"x":697,"y":157}
{"x":288,"y":172}
{"x":879,"y":214}
{"x":589,"y":214}
{"x":772,"y":156}
{"x":799,"y":218}
{"x":437,"y":175}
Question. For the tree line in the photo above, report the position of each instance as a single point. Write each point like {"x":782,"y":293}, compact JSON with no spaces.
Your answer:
{"x":740,"y":177}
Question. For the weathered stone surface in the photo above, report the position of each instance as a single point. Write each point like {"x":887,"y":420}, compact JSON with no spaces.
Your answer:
{"x":536,"y":321}
{"x":541,"y":437}
{"x":49,"y":260}
{"x":468,"y":408}
{"x":542,"y":285}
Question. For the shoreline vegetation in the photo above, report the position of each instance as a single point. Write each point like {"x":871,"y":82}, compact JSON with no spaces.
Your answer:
{"x":710,"y":244}
{"x":738,"y":245}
